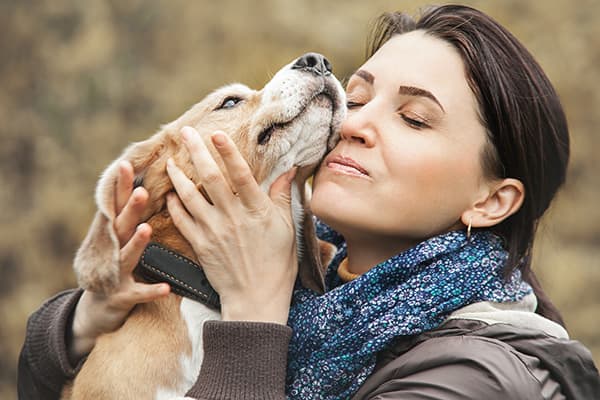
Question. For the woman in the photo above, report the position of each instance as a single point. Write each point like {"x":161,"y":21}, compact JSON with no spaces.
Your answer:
{"x":454,"y":146}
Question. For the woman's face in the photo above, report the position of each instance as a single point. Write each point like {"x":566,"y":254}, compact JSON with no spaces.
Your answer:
{"x":408,"y":164}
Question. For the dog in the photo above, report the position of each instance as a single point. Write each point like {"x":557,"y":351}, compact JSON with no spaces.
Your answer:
{"x":293,"y":121}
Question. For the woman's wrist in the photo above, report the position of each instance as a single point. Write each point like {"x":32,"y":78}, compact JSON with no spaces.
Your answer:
{"x":92,"y":317}
{"x":257,"y":308}
{"x":243,"y":313}
{"x":80,"y":339}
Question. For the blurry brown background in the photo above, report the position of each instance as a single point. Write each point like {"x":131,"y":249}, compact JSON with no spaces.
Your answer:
{"x":79,"y":80}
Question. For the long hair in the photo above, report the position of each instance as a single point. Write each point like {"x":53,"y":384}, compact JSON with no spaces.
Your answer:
{"x":526,"y":127}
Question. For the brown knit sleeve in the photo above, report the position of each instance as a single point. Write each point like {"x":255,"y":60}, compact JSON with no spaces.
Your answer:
{"x":44,"y":365}
{"x":243,"y":360}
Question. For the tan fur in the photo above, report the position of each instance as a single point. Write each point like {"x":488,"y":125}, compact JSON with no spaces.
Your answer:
{"x":144,"y":354}
{"x":131,"y":354}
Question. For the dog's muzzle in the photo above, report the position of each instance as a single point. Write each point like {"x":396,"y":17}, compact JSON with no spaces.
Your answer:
{"x":315,"y":63}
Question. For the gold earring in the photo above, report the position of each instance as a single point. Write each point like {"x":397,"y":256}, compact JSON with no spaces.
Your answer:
{"x":469,"y":229}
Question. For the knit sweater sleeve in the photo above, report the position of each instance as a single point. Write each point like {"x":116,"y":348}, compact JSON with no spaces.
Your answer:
{"x":242,"y":360}
{"x":44,"y":365}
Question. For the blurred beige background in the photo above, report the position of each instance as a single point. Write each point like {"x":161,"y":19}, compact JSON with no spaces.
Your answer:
{"x":80,"y":80}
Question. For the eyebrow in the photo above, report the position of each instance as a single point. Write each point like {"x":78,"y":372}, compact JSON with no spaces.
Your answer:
{"x":415,"y":91}
{"x":367,"y":76}
{"x":403,"y":90}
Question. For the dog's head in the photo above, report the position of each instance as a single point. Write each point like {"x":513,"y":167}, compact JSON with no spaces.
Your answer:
{"x":293,"y":121}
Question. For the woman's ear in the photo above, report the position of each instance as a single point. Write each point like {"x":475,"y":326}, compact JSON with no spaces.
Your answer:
{"x":503,"y":199}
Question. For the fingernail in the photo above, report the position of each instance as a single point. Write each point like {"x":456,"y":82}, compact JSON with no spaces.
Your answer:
{"x":219,"y":138}
{"x":136,"y":193}
{"x":170,"y":163}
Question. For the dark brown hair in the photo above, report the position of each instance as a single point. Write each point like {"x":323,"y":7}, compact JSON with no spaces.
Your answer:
{"x":528,"y":138}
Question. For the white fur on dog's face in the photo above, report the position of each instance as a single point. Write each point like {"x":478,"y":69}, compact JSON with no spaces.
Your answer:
{"x":302,"y":115}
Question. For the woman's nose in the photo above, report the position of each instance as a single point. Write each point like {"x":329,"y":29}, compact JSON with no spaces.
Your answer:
{"x":359,"y":127}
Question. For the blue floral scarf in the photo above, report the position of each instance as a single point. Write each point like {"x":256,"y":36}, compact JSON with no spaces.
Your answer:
{"x":337,"y":335}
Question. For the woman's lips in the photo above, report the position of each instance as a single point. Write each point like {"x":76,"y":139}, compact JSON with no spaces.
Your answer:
{"x":346,"y":165}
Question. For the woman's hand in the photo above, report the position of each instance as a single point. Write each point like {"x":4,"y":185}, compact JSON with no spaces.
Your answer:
{"x":245,"y":239}
{"x":97,"y":313}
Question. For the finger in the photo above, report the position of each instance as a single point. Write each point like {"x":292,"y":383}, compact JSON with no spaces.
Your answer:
{"x":242,"y":180}
{"x":181,"y":219}
{"x":208,"y":171}
{"x":281,"y":190}
{"x":132,"y":251}
{"x":145,"y":293}
{"x":131,"y":215}
{"x":124,"y":185}
{"x":191,"y":197}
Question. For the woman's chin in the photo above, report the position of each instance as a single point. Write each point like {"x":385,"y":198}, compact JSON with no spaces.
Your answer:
{"x":330,"y":202}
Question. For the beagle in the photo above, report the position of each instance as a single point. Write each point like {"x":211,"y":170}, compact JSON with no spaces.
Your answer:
{"x":293,"y":121}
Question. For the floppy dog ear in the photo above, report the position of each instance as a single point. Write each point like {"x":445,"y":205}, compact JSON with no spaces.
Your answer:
{"x":96,"y":262}
{"x":97,"y":259}
{"x":316,"y":253}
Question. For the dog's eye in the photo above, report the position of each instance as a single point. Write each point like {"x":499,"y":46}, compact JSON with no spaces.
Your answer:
{"x":229,"y":102}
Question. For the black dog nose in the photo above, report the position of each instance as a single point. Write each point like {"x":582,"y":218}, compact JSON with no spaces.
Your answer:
{"x":313,"y":62}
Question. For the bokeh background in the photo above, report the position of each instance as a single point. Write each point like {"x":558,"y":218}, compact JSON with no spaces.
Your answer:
{"x":79,"y":80}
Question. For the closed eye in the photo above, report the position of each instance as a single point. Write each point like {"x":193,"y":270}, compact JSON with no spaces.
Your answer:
{"x":414,"y":123}
{"x":351,"y":104}
{"x":229,"y":102}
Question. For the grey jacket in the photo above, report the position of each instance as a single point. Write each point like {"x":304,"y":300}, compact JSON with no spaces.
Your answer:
{"x":487,"y":351}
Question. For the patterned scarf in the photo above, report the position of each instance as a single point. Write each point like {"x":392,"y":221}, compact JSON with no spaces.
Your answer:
{"x":337,"y":335}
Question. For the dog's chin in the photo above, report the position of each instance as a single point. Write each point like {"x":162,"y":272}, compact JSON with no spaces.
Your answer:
{"x":323,"y":116}
{"x":313,"y":126}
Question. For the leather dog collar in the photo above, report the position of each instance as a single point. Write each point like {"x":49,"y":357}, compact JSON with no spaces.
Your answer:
{"x":186,"y":278}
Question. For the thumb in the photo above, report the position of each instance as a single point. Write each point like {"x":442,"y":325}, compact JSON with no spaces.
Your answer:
{"x":280,"y":191}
